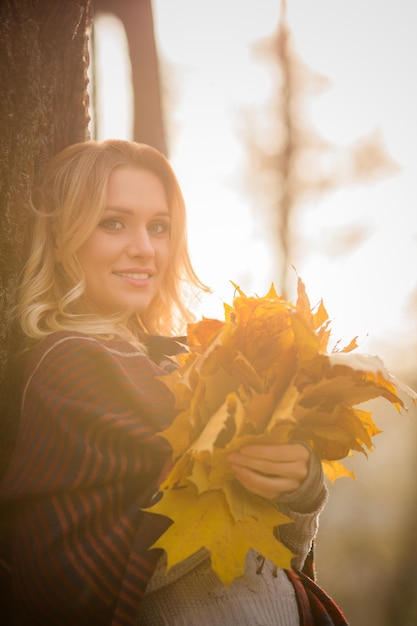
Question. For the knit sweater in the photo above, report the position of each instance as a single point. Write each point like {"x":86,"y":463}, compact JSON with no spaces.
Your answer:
{"x":191,"y":592}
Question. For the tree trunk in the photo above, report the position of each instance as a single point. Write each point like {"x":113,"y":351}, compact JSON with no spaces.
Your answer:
{"x":137,"y":19}
{"x":43,"y":108}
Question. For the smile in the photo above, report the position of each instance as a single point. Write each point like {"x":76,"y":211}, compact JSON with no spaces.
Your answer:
{"x":134,"y":275}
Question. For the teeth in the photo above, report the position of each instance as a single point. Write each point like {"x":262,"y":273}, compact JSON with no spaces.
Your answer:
{"x":133,"y":275}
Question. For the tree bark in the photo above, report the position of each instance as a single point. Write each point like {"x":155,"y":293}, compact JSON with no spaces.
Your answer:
{"x":43,"y":108}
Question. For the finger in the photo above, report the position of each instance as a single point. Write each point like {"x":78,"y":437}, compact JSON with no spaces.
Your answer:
{"x":293,"y":469}
{"x":282,"y":452}
{"x":266,"y":487}
{"x":290,"y":460}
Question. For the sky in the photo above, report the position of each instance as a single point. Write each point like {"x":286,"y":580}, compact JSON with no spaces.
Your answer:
{"x":212,"y":74}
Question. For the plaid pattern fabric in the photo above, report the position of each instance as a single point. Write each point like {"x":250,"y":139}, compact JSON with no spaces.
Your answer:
{"x":309,"y":567}
{"x":87,"y":461}
{"x":315,"y":607}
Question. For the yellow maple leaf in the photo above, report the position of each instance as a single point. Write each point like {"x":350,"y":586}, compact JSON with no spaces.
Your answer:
{"x":205,"y":521}
{"x":334,"y":470}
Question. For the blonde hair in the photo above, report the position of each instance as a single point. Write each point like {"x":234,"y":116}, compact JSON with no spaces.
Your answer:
{"x":68,"y":203}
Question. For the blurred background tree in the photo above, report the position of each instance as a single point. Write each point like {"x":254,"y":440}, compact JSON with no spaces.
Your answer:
{"x":288,"y":162}
{"x":137,"y":21}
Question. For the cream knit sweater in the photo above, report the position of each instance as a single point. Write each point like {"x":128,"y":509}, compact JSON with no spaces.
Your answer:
{"x":192,"y":594}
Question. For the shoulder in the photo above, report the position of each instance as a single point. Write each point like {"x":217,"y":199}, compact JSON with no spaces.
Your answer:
{"x":84,"y":375}
{"x":64,"y":347}
{"x":67,"y":359}
{"x":68,"y":342}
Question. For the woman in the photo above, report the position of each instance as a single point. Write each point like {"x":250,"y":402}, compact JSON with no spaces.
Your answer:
{"x":101,"y":301}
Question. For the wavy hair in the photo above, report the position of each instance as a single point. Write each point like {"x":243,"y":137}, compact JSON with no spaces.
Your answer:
{"x":68,"y":203}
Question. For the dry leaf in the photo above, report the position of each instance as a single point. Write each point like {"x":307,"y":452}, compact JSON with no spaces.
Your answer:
{"x":224,"y":523}
{"x":264,"y":375}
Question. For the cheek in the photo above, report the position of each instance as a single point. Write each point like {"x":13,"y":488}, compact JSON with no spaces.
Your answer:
{"x":94,"y":251}
{"x":164,"y":256}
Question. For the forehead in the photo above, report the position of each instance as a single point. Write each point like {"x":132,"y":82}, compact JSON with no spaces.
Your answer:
{"x":129,"y":184}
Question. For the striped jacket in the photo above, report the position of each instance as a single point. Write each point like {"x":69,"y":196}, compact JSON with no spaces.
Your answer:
{"x":87,"y":460}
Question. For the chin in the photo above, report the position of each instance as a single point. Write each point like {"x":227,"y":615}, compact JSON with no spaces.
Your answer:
{"x":139,"y":308}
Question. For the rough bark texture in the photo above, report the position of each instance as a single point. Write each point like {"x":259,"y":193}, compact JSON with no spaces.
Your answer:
{"x":137,"y":19}
{"x":43,"y":108}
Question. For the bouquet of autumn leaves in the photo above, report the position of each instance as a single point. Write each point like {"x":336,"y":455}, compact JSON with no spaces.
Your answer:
{"x":261,"y":376}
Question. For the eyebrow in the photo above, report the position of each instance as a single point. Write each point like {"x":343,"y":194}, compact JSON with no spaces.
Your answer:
{"x":118,"y":209}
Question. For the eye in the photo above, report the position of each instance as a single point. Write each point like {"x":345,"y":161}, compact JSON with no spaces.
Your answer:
{"x":159,"y":227}
{"x":111,"y":223}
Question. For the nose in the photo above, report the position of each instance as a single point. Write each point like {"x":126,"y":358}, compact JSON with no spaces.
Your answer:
{"x":140,"y":245}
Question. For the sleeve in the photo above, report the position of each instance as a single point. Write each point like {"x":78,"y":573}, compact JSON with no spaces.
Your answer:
{"x":304,"y":506}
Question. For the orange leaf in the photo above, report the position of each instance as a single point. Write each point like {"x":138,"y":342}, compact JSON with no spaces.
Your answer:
{"x":262,"y":376}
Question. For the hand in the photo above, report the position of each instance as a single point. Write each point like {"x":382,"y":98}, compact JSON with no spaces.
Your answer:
{"x":271,"y":470}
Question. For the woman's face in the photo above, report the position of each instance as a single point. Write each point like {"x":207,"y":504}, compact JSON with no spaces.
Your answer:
{"x":126,"y":257}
